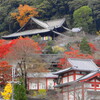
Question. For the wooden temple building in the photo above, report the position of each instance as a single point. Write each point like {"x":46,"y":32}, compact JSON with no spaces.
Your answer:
{"x":43,"y":80}
{"x":35,"y":26}
{"x":81,"y":81}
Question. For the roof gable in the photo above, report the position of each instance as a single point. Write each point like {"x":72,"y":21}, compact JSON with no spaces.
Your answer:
{"x":41,"y":23}
{"x":38,"y":24}
{"x":55,"y":23}
{"x":32,"y":24}
{"x":79,"y":64}
{"x":83,"y":64}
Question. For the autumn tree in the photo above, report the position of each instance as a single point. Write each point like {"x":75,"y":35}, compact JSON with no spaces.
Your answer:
{"x":24,"y":13}
{"x":5,"y":72}
{"x":25,"y":52}
{"x":4,"y":47}
{"x":7,"y":92}
{"x":63,"y":63}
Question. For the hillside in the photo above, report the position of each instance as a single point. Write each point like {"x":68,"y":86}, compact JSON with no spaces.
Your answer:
{"x":50,"y":9}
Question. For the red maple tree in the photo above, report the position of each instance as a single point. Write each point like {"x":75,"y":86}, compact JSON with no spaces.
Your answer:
{"x":92,"y":46}
{"x":5,"y":72}
{"x":63,"y":63}
{"x":21,"y":51}
{"x":17,"y":50}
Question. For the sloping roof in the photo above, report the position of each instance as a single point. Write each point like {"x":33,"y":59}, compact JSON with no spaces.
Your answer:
{"x":39,"y":22}
{"x":88,"y":75}
{"x":26,"y":33}
{"x":83,"y":64}
{"x":51,"y":24}
{"x":55,"y":23}
{"x":63,"y":71}
{"x":78,"y":80}
{"x":65,"y":84}
{"x":46,"y":25}
{"x":42,"y":75}
{"x":79,"y":64}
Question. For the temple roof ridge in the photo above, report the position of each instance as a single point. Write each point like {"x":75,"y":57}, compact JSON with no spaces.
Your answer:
{"x":79,"y":64}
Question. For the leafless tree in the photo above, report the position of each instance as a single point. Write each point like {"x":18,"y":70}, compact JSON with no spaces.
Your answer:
{"x":25,"y":54}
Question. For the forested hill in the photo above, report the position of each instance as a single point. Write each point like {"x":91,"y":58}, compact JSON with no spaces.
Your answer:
{"x":51,"y":9}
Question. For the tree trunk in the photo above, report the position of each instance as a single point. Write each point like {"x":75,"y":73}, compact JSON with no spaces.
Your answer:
{"x":25,"y":75}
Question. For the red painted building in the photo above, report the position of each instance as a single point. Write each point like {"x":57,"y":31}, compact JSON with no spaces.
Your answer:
{"x":81,"y":81}
{"x":42,"y":80}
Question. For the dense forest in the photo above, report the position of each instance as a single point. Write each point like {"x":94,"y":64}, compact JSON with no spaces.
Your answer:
{"x":78,"y":13}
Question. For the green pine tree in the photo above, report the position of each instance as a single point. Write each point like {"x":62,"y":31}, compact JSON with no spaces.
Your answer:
{"x":84,"y":47}
{"x":20,"y":92}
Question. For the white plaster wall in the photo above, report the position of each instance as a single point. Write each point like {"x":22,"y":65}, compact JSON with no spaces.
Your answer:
{"x":71,"y":78}
{"x":65,"y":80}
{"x":42,"y":84}
{"x":92,"y":80}
{"x":50,"y":84}
{"x":97,"y":80}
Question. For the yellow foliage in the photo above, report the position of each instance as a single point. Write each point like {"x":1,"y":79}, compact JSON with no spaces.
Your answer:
{"x":7,"y":92}
{"x":41,"y":93}
{"x":58,"y":48}
{"x":98,"y":33}
{"x":24,"y":13}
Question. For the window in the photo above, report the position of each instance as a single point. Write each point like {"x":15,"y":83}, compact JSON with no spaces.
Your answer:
{"x":33,"y":85}
{"x":50,"y":84}
{"x":64,"y":79}
{"x":71,"y":78}
{"x":83,"y":72}
{"x":42,"y":86}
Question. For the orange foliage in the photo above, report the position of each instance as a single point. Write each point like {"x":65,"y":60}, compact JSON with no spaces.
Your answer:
{"x":24,"y":13}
